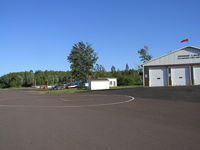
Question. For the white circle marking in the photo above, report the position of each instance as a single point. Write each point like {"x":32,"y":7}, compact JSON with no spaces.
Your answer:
{"x":72,"y":106}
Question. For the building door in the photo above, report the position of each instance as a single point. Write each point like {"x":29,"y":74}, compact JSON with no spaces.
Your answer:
{"x":180,"y":76}
{"x":196,"y":75}
{"x":158,"y":77}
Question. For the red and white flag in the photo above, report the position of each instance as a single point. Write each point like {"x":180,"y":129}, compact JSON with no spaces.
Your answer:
{"x":185,"y":40}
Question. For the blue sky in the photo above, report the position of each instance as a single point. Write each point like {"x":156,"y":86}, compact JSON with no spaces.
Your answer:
{"x":39,"y":34}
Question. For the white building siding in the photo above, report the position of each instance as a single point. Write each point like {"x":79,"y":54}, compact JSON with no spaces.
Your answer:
{"x":184,"y":56}
{"x":196,"y":71}
{"x":182,"y":68}
{"x":98,"y":84}
{"x":112,"y":81}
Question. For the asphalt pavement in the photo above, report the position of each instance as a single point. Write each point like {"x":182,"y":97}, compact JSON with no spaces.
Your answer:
{"x":158,"y":118}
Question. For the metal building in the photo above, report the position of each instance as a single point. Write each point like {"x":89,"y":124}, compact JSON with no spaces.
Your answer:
{"x":178,"y":68}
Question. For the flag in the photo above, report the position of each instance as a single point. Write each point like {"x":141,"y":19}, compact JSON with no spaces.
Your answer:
{"x":185,"y":40}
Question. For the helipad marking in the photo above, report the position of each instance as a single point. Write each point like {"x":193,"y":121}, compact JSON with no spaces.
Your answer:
{"x":72,"y":106}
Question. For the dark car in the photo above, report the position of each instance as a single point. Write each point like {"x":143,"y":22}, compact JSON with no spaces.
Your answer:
{"x":59,"y":87}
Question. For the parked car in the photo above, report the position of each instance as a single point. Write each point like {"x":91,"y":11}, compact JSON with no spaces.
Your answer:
{"x":43,"y":87}
{"x":36,"y":87}
{"x":59,"y":87}
{"x":71,"y":85}
{"x":76,"y":84}
{"x":51,"y":86}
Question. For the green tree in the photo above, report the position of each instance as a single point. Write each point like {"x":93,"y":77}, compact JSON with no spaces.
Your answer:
{"x":127,"y":67}
{"x":15,"y":81}
{"x":113,"y":69}
{"x":98,"y":68}
{"x":99,"y":71}
{"x":29,"y":78}
{"x":144,"y":54}
{"x":82,"y":59}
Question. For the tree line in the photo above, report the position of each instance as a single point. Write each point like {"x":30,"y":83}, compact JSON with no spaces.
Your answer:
{"x":30,"y":78}
{"x":83,"y":66}
{"x":37,"y":78}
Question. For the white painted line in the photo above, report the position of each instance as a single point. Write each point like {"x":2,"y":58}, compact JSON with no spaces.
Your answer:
{"x":72,"y":106}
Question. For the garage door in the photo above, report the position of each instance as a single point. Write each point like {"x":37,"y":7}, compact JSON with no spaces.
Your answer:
{"x":180,"y":76}
{"x":196,"y":72}
{"x":158,"y":77}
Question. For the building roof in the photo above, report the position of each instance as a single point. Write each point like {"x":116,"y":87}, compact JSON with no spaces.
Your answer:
{"x":171,"y":53}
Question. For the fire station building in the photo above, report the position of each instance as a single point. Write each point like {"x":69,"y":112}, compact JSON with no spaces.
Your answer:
{"x":178,"y":68}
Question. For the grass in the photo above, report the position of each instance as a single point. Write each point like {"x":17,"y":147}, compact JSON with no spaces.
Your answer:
{"x":127,"y":87}
{"x":15,"y":88}
{"x":65,"y":91}
{"x":70,"y":91}
{"x":75,"y":90}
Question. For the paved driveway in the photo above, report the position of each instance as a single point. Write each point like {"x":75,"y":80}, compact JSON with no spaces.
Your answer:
{"x":104,"y":120}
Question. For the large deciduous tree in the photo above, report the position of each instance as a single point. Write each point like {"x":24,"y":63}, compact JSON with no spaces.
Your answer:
{"x":144,"y":54}
{"x":82,"y":59}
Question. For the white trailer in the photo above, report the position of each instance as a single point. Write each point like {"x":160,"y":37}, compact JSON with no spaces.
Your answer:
{"x":98,"y":84}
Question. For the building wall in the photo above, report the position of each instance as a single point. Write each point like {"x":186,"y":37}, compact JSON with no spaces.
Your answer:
{"x":98,"y":84}
{"x":146,"y":76}
{"x":112,"y":82}
{"x":185,"y":56}
{"x":191,"y":66}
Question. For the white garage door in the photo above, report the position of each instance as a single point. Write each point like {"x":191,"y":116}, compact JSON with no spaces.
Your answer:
{"x":180,"y":76}
{"x":158,"y":77}
{"x":196,"y":72}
